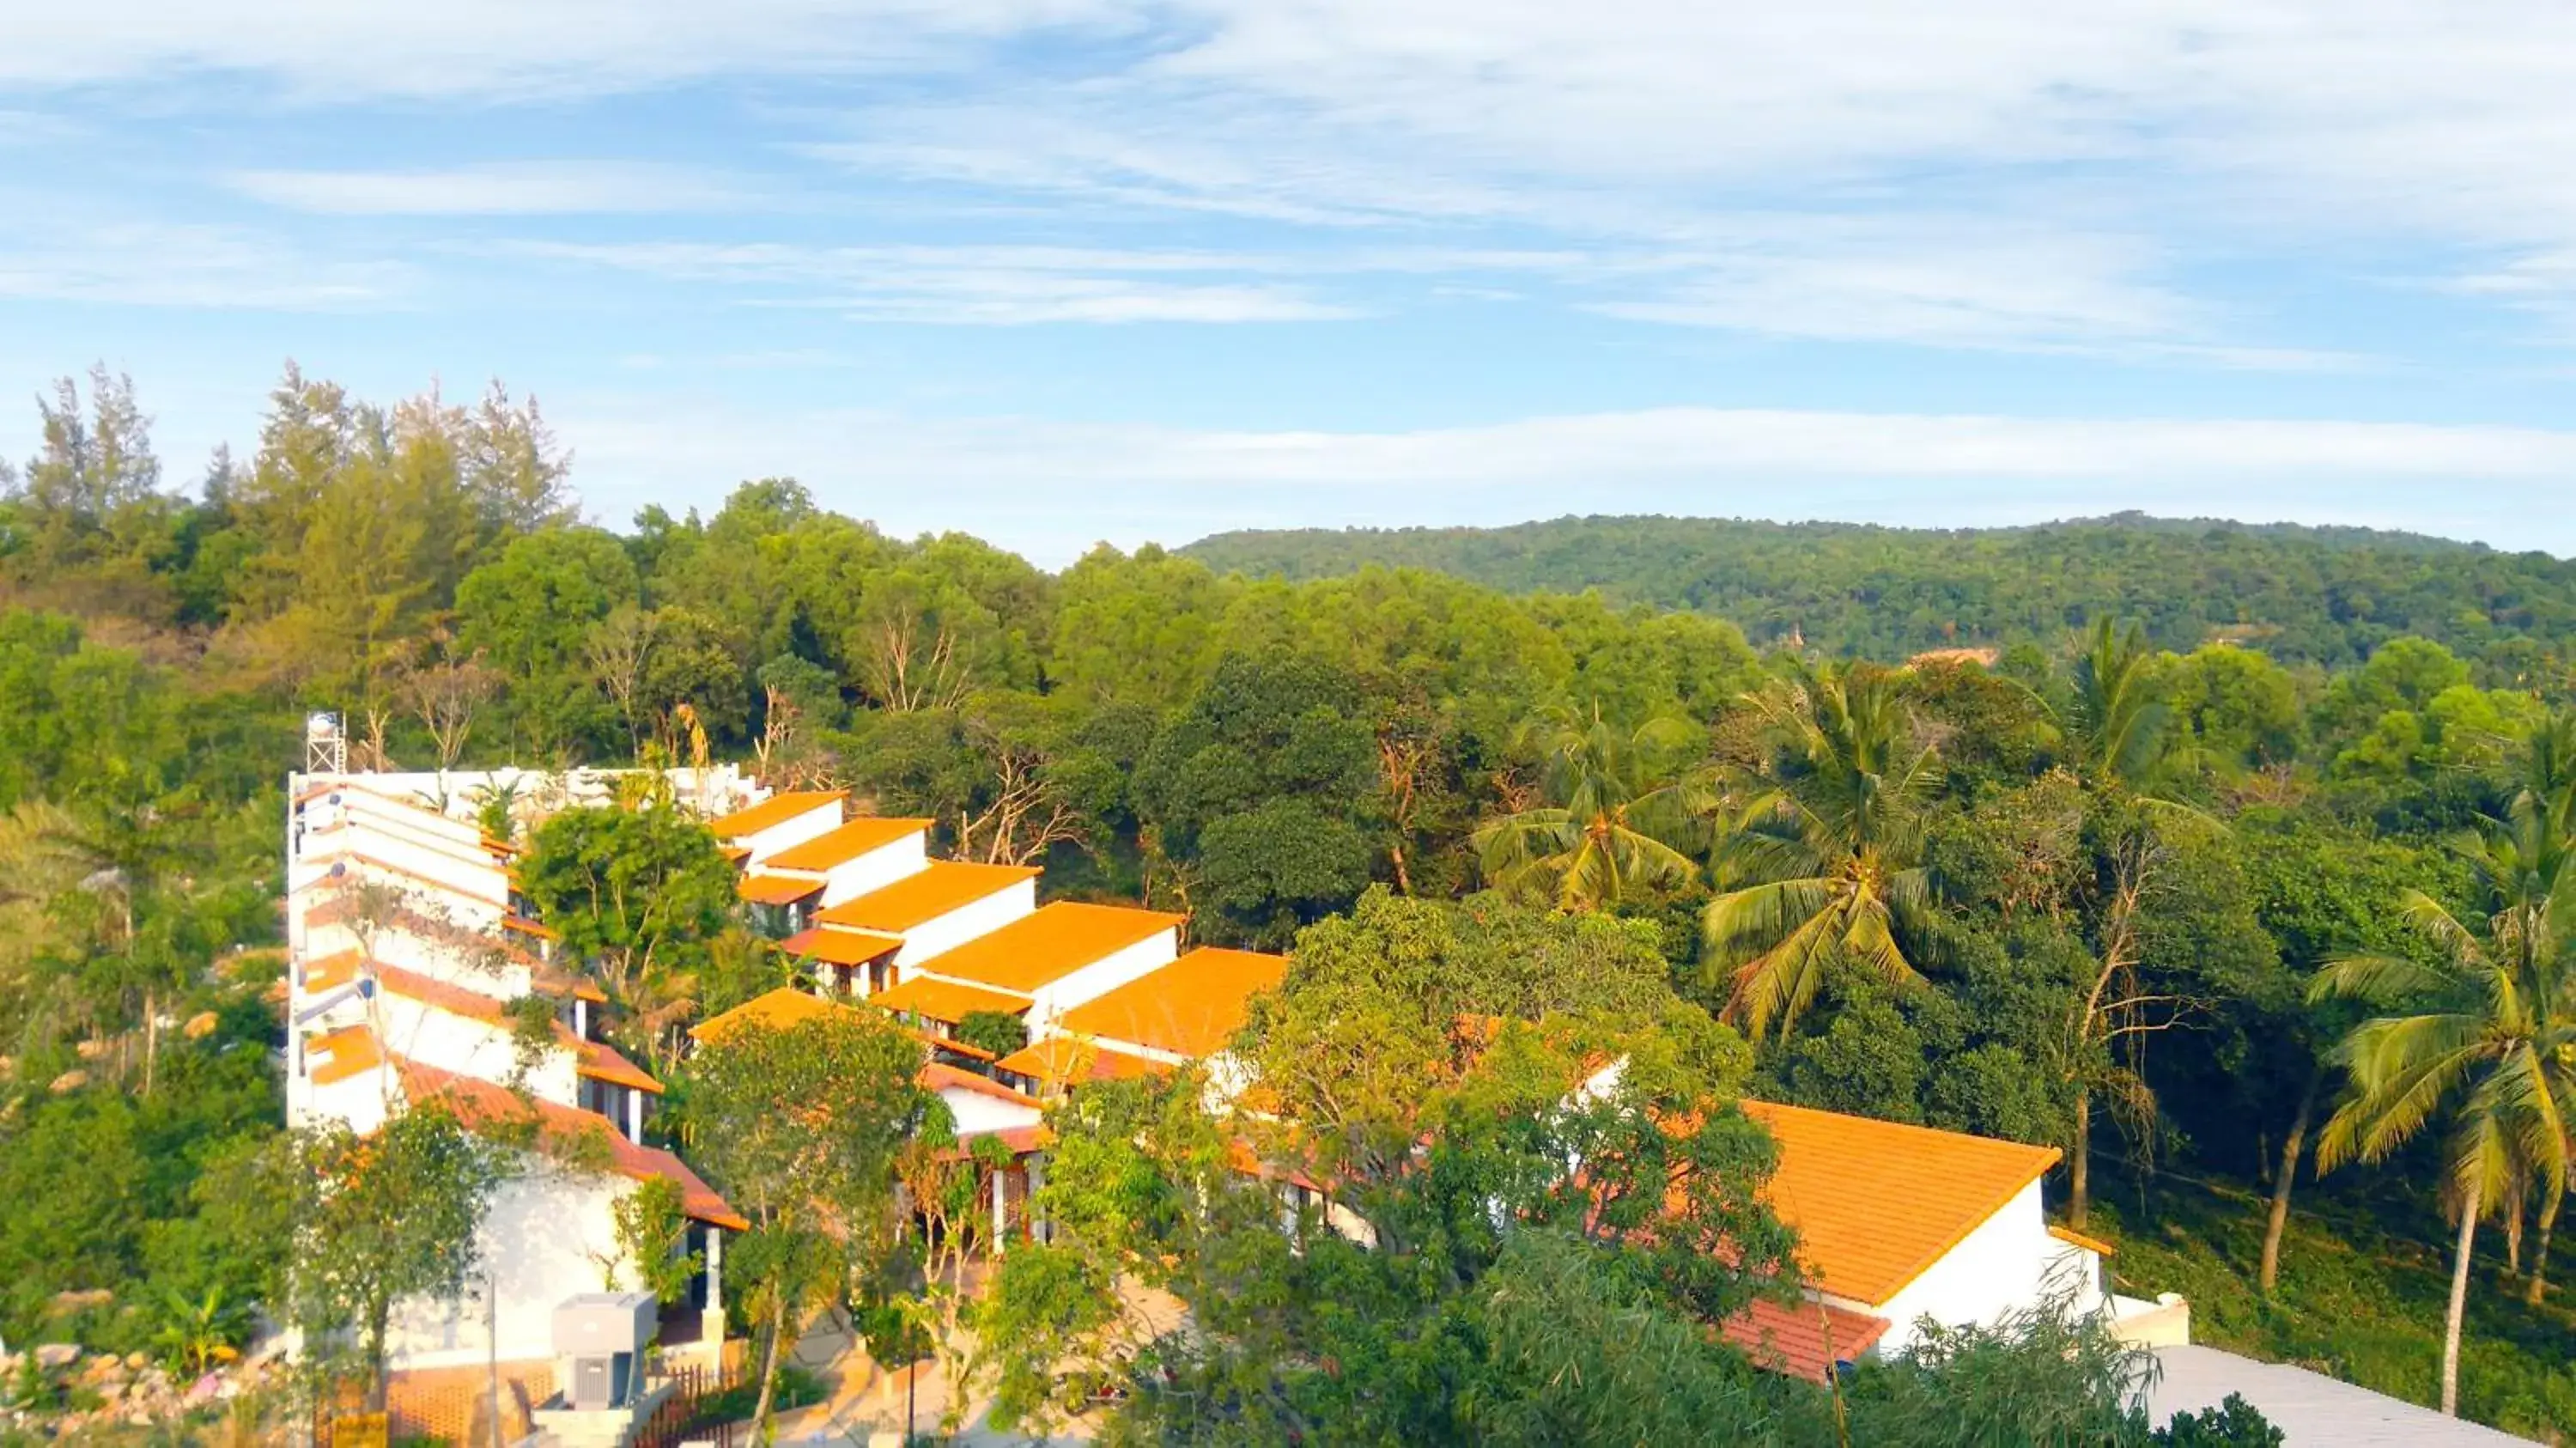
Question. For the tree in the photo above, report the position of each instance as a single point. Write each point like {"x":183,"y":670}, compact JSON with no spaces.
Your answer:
{"x":1622,"y":809}
{"x":799,"y":1128}
{"x":1832,"y":856}
{"x":2488,"y":1039}
{"x":384,"y":1218}
{"x":641,"y":891}
{"x":1263,"y":787}
{"x":652,"y":1228}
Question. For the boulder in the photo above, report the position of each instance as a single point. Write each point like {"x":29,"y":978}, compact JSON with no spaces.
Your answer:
{"x":69,"y":1082}
{"x":91,"y":1050}
{"x":55,"y":1356}
{"x":200,"y":1025}
{"x":138,"y":1361}
{"x":63,"y":1304}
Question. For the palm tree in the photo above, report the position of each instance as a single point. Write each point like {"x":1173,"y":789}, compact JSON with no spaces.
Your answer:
{"x":2116,"y":726}
{"x":2488,"y":1039}
{"x":1622,"y":808}
{"x":1833,"y":856}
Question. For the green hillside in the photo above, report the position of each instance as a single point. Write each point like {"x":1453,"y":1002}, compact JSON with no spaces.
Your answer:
{"x":2328,"y":595}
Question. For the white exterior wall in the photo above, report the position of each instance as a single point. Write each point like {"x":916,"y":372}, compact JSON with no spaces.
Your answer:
{"x":979,"y":1114}
{"x":2008,"y":1264}
{"x":361,"y":1100}
{"x":469,"y":1047}
{"x":1103,"y":976}
{"x":877,"y":869}
{"x":787,"y":834}
{"x":942,"y":933}
{"x":406,"y":862}
{"x":503,"y":980}
{"x":541,"y":1238}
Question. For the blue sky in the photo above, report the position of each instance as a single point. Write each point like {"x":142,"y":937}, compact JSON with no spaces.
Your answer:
{"x":1053,"y":271}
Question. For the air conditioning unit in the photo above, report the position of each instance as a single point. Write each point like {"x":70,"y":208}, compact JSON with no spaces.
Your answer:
{"x":603,"y":1335}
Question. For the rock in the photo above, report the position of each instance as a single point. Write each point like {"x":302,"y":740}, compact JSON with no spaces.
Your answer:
{"x":138,"y":1361}
{"x":63,"y":1304}
{"x":68,"y":1082}
{"x":203,"y":1391}
{"x":54,"y":1356}
{"x":91,"y":1050}
{"x":200,"y":1025}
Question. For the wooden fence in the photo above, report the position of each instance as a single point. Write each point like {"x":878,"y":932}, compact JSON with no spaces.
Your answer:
{"x":453,"y":1407}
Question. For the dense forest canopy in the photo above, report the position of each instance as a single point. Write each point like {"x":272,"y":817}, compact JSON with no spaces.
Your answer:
{"x":2106,"y":892}
{"x":2303,"y":594}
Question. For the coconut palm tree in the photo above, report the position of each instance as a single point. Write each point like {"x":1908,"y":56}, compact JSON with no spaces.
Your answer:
{"x":1826,"y":870}
{"x":1622,"y":809}
{"x":2486,"y":1040}
{"x":2116,"y":727}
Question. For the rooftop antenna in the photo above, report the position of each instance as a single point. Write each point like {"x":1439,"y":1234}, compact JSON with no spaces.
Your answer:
{"x":326,"y":744}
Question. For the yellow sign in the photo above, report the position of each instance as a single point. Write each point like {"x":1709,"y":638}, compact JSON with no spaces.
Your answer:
{"x":361,"y":1430}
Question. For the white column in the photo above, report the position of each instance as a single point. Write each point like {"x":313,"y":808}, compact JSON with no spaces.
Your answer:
{"x":713,"y":1330}
{"x":581,"y":1018}
{"x":635,"y":1116}
{"x":1001,"y":1213}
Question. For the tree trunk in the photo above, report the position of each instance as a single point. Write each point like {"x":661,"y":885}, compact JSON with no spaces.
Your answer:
{"x":376,"y":1385}
{"x":2538,"y":1287}
{"x":769,"y":1367}
{"x":2279,"y":1219}
{"x":1403,"y":882}
{"x":151,"y":1038}
{"x":2459,"y":1306}
{"x":2079,"y":1166}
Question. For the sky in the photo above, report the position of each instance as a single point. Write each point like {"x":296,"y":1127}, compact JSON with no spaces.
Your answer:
{"x":1061,"y":271}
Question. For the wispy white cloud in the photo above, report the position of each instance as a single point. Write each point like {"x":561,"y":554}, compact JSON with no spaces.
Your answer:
{"x":501,"y":188}
{"x":972,"y":285}
{"x":190,"y":266}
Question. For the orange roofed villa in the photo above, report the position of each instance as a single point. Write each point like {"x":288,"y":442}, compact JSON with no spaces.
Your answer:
{"x":1898,"y":1224}
{"x":409,"y":950}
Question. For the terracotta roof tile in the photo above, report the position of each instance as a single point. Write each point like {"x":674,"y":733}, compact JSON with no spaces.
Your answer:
{"x":1190,"y":1007}
{"x":778,"y":809}
{"x":1804,"y":1341}
{"x":1876,"y":1203}
{"x":1059,"y":939}
{"x":938,"y":1075}
{"x":838,"y":847}
{"x":445,"y":995}
{"x":925,"y":895}
{"x":761,"y":888}
{"x":346,"y":1052}
{"x":600,"y":1061}
{"x":480,"y":1103}
{"x":779,"y":1010}
{"x":841,"y":946}
{"x":1056,"y":1059}
{"x":946,"y":1000}
{"x":331,"y":971}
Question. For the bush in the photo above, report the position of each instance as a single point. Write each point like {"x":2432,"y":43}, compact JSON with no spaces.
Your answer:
{"x":2234,"y":1423}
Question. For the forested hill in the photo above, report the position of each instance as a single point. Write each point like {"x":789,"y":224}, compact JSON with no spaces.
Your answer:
{"x":2324,"y":594}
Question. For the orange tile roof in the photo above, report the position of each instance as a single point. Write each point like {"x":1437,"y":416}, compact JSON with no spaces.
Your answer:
{"x":331,"y":971}
{"x":841,"y":947}
{"x":946,"y":1000}
{"x":1057,"y":1059}
{"x":779,"y":1010}
{"x":778,"y":809}
{"x":1039,"y":949}
{"x":526,"y":926}
{"x":600,"y":1061}
{"x":764,"y":889}
{"x":2074,"y":1238}
{"x":939,"y":1075}
{"x":1876,"y":1203}
{"x":1190,"y":1007}
{"x":345,"y":1052}
{"x":925,"y":895}
{"x":839,"y":847}
{"x":1804,"y":1341}
{"x":484,"y":1103}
